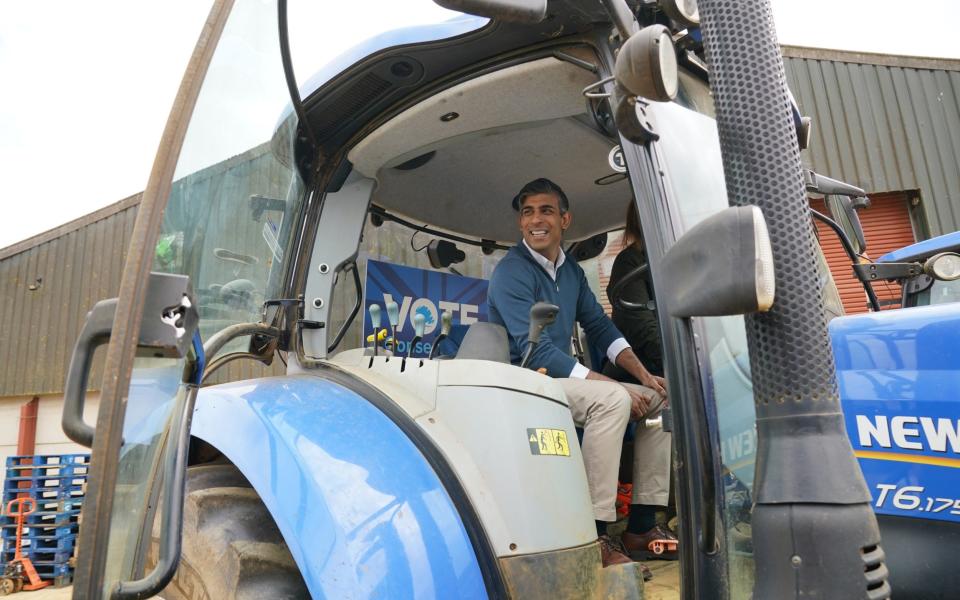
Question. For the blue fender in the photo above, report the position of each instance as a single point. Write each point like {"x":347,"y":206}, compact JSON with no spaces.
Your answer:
{"x":362,"y":510}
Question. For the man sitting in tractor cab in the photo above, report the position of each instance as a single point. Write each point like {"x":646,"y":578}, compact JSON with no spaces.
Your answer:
{"x":537,"y":270}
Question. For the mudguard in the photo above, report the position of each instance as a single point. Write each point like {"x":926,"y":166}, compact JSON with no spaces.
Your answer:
{"x":362,"y":510}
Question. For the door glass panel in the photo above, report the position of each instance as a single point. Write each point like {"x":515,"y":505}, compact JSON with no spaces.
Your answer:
{"x":696,"y":184}
{"x":226,"y":225}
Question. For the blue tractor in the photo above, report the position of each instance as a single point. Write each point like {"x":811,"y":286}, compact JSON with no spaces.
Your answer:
{"x":374,"y":470}
{"x":897,"y":371}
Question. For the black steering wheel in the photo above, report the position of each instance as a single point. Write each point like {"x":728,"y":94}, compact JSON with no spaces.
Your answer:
{"x":616,"y":293}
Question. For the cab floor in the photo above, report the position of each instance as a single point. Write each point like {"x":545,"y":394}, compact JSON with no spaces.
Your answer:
{"x":665,"y":584}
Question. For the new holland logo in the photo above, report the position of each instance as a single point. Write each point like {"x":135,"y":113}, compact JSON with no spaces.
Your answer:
{"x":909,"y":432}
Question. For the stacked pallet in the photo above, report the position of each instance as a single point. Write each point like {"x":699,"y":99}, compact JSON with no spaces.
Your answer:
{"x":56,"y":483}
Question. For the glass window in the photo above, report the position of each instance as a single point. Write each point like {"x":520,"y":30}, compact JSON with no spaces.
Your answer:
{"x":226,"y":225}
{"x":939,"y":292}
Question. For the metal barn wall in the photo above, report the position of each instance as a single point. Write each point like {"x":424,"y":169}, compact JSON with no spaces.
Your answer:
{"x":884,"y":123}
{"x":69,"y":269}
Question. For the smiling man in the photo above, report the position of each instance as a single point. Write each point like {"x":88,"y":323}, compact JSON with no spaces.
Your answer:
{"x":537,"y":270}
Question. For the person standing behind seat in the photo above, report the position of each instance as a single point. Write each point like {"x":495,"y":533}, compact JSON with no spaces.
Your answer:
{"x":639,"y":326}
{"x":642,"y":331}
{"x":535,"y":270}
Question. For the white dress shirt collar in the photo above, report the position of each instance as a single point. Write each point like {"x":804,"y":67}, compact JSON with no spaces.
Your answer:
{"x":544,"y":262}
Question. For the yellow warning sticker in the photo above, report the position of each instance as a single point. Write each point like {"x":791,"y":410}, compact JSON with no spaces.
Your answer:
{"x":549,"y":442}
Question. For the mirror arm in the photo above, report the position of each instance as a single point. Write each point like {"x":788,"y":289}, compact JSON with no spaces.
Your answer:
{"x":848,"y":248}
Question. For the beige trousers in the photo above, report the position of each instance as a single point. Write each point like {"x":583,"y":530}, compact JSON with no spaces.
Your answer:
{"x":602,"y":408}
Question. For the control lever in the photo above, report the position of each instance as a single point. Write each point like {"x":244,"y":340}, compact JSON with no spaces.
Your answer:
{"x":375,"y":321}
{"x":542,"y":314}
{"x":446,"y":323}
{"x":419,"y":324}
{"x":393,"y":315}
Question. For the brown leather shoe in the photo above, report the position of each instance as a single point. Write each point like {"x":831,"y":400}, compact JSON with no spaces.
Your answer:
{"x":611,"y":552}
{"x":657,"y":544}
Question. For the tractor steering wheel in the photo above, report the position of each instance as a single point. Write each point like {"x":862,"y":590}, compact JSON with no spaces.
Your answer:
{"x":616,"y":293}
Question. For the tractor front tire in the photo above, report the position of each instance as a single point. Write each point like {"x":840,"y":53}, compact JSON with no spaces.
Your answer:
{"x":232,"y":548}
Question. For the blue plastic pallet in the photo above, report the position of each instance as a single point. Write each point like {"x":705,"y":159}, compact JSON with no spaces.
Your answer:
{"x":43,"y":494}
{"x":46,"y":495}
{"x":38,"y":556}
{"x":51,"y":502}
{"x":50,"y":544}
{"x":53,"y":482}
{"x":9,"y":532}
{"x":36,"y":471}
{"x":44,"y":519}
{"x":48,"y":459}
{"x":47,"y":464}
{"x":51,"y":570}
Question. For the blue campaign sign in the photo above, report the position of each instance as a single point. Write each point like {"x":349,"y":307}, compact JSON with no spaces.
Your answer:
{"x":425,"y":292}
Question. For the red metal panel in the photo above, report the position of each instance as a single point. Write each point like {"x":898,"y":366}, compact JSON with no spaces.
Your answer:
{"x":886,"y":227}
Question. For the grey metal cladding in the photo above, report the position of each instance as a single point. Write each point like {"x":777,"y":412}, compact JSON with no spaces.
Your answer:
{"x":69,"y":267}
{"x":884,"y":123}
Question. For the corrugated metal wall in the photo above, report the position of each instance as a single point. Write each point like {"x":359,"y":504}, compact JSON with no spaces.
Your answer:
{"x":884,"y":123}
{"x":69,"y":268}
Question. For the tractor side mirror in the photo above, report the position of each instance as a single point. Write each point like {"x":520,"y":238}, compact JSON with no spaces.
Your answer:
{"x":843,"y":209}
{"x":843,"y":201}
{"x":723,"y":266}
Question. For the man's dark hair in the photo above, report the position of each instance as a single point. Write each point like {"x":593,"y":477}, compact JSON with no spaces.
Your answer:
{"x":541,"y":186}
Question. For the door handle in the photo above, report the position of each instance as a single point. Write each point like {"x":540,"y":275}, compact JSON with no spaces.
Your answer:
{"x":170,"y":319}
{"x":96,"y":332}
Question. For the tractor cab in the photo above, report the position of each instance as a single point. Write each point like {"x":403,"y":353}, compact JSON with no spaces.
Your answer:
{"x":338,"y":212}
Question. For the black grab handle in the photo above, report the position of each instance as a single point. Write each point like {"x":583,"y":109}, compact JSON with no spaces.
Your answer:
{"x":96,"y":332}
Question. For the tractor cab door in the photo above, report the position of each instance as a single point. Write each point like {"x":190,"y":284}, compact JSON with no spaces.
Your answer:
{"x":207,"y":248}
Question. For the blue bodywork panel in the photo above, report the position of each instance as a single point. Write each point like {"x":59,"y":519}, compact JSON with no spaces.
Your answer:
{"x":362,"y":511}
{"x":944,"y":243}
{"x":899,"y":376}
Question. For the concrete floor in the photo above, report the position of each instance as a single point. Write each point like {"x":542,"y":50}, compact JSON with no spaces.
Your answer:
{"x":665,"y":585}
{"x":47,"y":593}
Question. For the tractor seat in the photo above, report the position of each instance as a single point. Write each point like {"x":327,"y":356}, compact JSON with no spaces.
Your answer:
{"x":485,"y":341}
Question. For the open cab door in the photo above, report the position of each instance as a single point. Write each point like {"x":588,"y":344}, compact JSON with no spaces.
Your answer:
{"x":208,"y":242}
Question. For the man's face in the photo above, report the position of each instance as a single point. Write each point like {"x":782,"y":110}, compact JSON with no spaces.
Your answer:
{"x":542,"y":224}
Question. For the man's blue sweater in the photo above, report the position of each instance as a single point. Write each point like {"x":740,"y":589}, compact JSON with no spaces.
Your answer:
{"x":519,"y":282}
